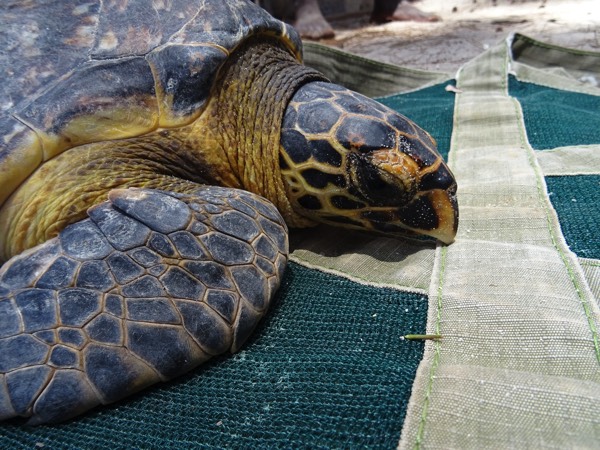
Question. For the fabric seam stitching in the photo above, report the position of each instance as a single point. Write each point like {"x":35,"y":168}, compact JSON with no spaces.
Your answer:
{"x":444,"y":250}
{"x":548,"y":83}
{"x":436,"y":356}
{"x":389,"y":67}
{"x":589,"y":263}
{"x":547,"y":46}
{"x":333,"y":271}
{"x":553,"y":237}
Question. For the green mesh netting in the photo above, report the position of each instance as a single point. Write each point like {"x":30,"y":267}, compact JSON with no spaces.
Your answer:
{"x":556,"y":118}
{"x":327,"y":368}
{"x":576,"y":200}
{"x":432,"y":108}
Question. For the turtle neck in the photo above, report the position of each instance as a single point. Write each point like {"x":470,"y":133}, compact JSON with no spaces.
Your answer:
{"x":244,"y":119}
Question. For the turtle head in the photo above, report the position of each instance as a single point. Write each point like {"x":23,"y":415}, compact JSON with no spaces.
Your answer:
{"x":348,"y":160}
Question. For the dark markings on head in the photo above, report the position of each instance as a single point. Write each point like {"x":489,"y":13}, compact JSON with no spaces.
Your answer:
{"x":310,"y":202}
{"x":295,"y":145}
{"x":341,"y":202}
{"x":420,"y":214}
{"x":425,"y":137}
{"x":440,"y":179}
{"x":338,"y":180}
{"x":317,"y":117}
{"x":357,"y":104}
{"x":323,"y":152}
{"x":319,"y":180}
{"x":378,"y":216}
{"x":318,"y":90}
{"x":289,"y":119}
{"x":377,"y":187}
{"x":414,"y":148}
{"x":401,"y":123}
{"x":365,"y":135}
{"x":282,"y":164}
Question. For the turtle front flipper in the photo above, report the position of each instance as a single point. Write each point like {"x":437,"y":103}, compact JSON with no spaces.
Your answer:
{"x":151,"y":285}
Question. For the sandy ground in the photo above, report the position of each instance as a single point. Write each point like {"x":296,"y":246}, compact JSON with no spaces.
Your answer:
{"x":467,"y":28}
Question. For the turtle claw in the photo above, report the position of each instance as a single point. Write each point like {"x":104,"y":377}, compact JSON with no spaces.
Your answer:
{"x":151,"y":285}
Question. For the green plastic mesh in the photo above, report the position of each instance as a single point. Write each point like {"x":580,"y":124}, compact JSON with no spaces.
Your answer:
{"x":576,"y":200}
{"x":432,"y":108}
{"x":327,"y":368}
{"x":557,"y":118}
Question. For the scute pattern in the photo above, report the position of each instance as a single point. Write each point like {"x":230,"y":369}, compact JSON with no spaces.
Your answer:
{"x":112,"y":318}
{"x":125,"y":67}
{"x":26,"y":384}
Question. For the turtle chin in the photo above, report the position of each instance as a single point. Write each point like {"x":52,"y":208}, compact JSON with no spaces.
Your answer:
{"x":433,"y":213}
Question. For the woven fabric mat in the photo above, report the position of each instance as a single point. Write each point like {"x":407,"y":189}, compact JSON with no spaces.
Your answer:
{"x":519,"y":365}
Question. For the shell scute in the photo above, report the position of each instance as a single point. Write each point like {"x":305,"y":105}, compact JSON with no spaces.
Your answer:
{"x":21,"y":351}
{"x":206,"y":327}
{"x":25,"y":384}
{"x":95,"y":275}
{"x":10,"y":318}
{"x":127,"y":28}
{"x":184,"y":76}
{"x":37,"y":308}
{"x":101,"y":100}
{"x":111,"y":70}
{"x":114,"y":370}
{"x":105,"y":329}
{"x":166,"y":348}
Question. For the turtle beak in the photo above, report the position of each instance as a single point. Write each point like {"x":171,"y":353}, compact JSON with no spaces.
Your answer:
{"x":428,"y":206}
{"x":442,"y":207}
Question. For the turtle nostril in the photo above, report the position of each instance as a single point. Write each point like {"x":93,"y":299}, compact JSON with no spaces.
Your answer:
{"x":452,"y":190}
{"x":439,"y":179}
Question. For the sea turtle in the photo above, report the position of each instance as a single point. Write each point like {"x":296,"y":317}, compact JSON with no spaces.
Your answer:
{"x":151,"y":156}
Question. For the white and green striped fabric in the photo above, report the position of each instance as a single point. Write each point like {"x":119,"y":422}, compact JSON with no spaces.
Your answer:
{"x":519,"y":362}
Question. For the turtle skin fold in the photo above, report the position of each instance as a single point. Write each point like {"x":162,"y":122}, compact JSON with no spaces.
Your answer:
{"x":146,"y":288}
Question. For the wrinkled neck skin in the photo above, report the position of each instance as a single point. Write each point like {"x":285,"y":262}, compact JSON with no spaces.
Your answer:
{"x":242,"y":122}
{"x":234,"y":142}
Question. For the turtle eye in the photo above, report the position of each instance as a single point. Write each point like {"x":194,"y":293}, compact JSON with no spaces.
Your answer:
{"x":377,"y":186}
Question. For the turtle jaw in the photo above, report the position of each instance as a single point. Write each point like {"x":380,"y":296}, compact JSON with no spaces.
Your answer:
{"x":433,"y":213}
{"x":420,"y":200}
{"x":446,"y":206}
